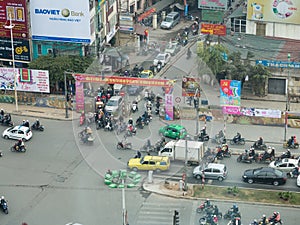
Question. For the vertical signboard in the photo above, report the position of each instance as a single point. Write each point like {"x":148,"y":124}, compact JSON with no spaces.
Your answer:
{"x":169,"y":103}
{"x":14,"y":10}
{"x":79,"y":96}
{"x":230,"y":96}
{"x":60,"y":20}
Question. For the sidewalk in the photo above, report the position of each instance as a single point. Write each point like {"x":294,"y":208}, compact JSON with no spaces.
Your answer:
{"x":39,"y":112}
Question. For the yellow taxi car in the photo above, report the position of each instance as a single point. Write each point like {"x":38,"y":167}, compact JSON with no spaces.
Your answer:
{"x":146,"y":74}
{"x":157,"y":163}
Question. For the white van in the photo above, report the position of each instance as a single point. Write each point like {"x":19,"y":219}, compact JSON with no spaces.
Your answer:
{"x":114,"y":104}
{"x":171,"y":20}
{"x":117,"y":89}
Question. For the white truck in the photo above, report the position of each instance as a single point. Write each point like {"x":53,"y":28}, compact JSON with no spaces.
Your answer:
{"x":177,"y":150}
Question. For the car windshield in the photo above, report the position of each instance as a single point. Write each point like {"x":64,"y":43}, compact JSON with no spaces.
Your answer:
{"x":256,"y":171}
{"x":142,"y":160}
{"x":144,"y":75}
{"x":183,"y":130}
{"x":160,"y":57}
{"x":168,"y":19}
{"x":112,"y":103}
{"x":278,"y":173}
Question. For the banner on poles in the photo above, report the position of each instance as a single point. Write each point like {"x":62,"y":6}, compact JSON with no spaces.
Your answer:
{"x":230,"y":93}
{"x":169,"y":105}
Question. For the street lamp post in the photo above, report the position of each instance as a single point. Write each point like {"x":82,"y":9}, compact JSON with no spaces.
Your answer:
{"x":66,"y":94}
{"x":287,"y":105}
{"x":11,"y":26}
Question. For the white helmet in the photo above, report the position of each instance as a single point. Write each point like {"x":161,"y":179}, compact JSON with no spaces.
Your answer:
{"x":2,"y":197}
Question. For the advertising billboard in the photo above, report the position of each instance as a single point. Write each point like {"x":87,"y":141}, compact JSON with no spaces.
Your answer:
{"x":28,"y":80}
{"x":280,"y":11}
{"x":14,"y":10}
{"x":21,"y":49}
{"x":230,"y":93}
{"x":60,"y":20}
{"x":190,"y":87}
{"x":213,"y":4}
{"x":213,"y":29}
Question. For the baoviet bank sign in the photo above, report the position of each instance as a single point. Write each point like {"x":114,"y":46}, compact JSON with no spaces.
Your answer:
{"x":213,"y":29}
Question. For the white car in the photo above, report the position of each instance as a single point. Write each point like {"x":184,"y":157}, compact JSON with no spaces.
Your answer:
{"x":286,"y":165}
{"x":163,"y":58}
{"x":298,"y":181}
{"x":173,"y":48}
{"x":17,"y":132}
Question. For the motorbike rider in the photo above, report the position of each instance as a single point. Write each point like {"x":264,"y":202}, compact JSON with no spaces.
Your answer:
{"x":2,"y":200}
{"x":1,"y":114}
{"x":19,"y":145}
{"x":138,"y":154}
{"x":225,"y":148}
{"x":259,"y":142}
{"x":203,"y":132}
{"x":149,"y":105}
{"x":275,"y":218}
{"x":207,"y":203}
{"x":254,"y":222}
{"x":135,"y":104}
{"x":37,"y":124}
{"x":291,"y":141}
{"x":237,"y":137}
{"x":264,"y":220}
{"x":295,"y":172}
{"x":7,"y":118}
{"x":215,"y":219}
{"x":236,"y":221}
{"x":234,"y":210}
{"x":287,"y":154}
{"x":252,"y":152}
{"x":216,"y":210}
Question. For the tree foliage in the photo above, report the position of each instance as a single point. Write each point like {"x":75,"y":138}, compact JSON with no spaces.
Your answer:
{"x":58,"y":65}
{"x":235,"y":68}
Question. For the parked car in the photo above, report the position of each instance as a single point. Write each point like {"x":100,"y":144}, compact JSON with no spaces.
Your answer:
{"x":17,"y":133}
{"x":173,"y":48}
{"x":214,"y":171}
{"x":286,"y":165}
{"x":157,"y":163}
{"x":265,"y":175}
{"x":163,"y":58}
{"x":174,"y":131}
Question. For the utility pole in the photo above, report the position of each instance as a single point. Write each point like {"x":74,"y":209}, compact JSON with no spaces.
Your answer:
{"x":196,"y":106}
{"x":287,"y":104}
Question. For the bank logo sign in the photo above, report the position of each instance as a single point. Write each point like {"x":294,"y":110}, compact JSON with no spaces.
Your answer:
{"x":60,"y":20}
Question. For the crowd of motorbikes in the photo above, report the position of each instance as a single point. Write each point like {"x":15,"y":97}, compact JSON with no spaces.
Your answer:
{"x":212,"y":215}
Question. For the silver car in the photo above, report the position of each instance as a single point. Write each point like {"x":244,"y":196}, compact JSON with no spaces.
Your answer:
{"x":213,"y":171}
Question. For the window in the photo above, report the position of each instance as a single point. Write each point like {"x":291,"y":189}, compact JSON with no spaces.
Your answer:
{"x":152,"y":163}
{"x":49,"y":51}
{"x":260,"y":29}
{"x":39,"y":49}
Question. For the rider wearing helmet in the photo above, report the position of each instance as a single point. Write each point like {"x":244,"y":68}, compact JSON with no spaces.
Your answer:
{"x":2,"y":200}
{"x":37,"y":123}
{"x":237,"y":137}
{"x":264,"y":220}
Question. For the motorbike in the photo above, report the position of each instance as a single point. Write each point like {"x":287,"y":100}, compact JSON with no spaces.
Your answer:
{"x":262,"y":158}
{"x":208,"y":219}
{"x":204,"y":207}
{"x":140,"y":124}
{"x":39,"y":128}
{"x":100,"y":124}
{"x":131,"y":132}
{"x":259,"y":147}
{"x":230,"y":214}
{"x":203,"y":137}
{"x":108,"y":126}
{"x":245,"y":158}
{"x":241,"y":141}
{"x":293,"y":146}
{"x":4,"y":207}
{"x":17,"y":148}
{"x":7,"y":123}
{"x":124,"y":145}
{"x":218,"y":139}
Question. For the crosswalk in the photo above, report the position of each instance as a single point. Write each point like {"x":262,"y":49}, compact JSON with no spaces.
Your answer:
{"x":157,"y":213}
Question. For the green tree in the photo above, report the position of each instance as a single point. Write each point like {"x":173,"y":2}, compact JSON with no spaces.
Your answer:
{"x":57,"y":65}
{"x":258,"y":77}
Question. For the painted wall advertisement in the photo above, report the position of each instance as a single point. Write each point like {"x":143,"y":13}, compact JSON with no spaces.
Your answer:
{"x":280,"y":11}
{"x":230,"y":93}
{"x":190,"y":87}
{"x":213,"y":29}
{"x":60,"y":20}
{"x":27,"y":80}
{"x":14,"y":11}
